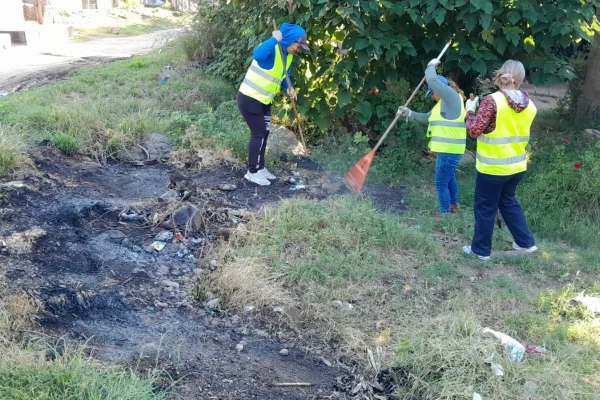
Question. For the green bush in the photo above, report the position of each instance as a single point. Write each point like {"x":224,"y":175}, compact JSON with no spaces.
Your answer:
{"x":561,"y":196}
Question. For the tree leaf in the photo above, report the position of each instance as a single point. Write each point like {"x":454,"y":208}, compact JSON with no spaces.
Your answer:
{"x":487,"y":8}
{"x":485,"y":20}
{"x":480,"y":67}
{"x":531,"y":16}
{"x":364,"y":112}
{"x":513,"y":17}
{"x":470,"y":21}
{"x":361,"y":44}
{"x":439,"y":15}
{"x":362,"y":59}
{"x":500,"y":44}
{"x":344,"y":97}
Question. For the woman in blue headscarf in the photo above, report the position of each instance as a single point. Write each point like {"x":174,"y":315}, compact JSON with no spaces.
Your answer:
{"x":261,"y":84}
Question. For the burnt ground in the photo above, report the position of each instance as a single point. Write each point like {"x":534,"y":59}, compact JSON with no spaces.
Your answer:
{"x":100,"y":282}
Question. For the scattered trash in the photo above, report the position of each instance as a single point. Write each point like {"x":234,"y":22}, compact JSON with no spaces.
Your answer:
{"x":158,"y":246}
{"x":239,"y":347}
{"x":294,"y":182}
{"x":496,"y":368}
{"x":164,"y":236}
{"x":197,"y":240}
{"x":248,"y":308}
{"x":342,"y":304}
{"x":303,"y":187}
{"x":533,"y":349}
{"x":284,"y":352}
{"x":591,"y":303}
{"x":213,"y":264}
{"x":227,"y":381}
{"x":179,"y":236}
{"x":476,"y":396}
{"x":213,"y":303}
{"x":326,"y":361}
{"x":516,"y":349}
{"x":227,"y":187}
{"x":131,"y":217}
{"x":278,"y":310}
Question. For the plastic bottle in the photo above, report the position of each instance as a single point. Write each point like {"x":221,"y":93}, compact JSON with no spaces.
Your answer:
{"x":516,"y":349}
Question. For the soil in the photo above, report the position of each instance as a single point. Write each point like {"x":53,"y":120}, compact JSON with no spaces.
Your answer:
{"x":23,"y":67}
{"x":100,"y":282}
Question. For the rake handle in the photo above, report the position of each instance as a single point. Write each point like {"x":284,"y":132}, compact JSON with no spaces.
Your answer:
{"x":412,"y":96}
{"x":289,"y":85}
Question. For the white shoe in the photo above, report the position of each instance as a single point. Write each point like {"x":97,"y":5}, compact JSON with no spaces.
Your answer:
{"x":257,"y":178}
{"x":526,"y":250}
{"x":467,"y":249}
{"x":265,"y":172}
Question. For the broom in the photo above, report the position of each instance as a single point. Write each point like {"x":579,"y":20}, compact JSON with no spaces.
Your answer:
{"x":289,"y":85}
{"x":355,"y":178}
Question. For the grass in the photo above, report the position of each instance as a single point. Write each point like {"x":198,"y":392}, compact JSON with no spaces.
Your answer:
{"x":34,"y":370}
{"x":12,"y":150}
{"x":418,"y":303}
{"x":149,"y":25}
{"x":102,"y":109}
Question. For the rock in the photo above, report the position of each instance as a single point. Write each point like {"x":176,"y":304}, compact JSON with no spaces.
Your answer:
{"x":261,"y":333}
{"x":164,"y":236}
{"x":140,"y":273}
{"x":248,"y":308}
{"x":213,"y":303}
{"x":170,"y":284}
{"x":591,"y":135}
{"x":162,"y":270}
{"x":284,"y":352}
{"x":184,"y":215}
{"x":114,"y":30}
{"x":239,"y":347}
{"x":155,"y":147}
{"x":116,"y":236}
{"x":467,"y":159}
{"x":149,"y":249}
{"x":160,"y":304}
{"x":170,"y":194}
{"x":235,"y":319}
{"x":283,"y":142}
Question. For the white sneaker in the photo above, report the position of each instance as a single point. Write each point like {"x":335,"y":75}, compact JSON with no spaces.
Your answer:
{"x":265,"y":172}
{"x":467,"y":250}
{"x":526,"y":250}
{"x":257,"y":178}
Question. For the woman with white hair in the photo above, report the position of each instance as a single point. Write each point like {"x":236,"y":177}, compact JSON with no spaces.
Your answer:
{"x":501,"y":127}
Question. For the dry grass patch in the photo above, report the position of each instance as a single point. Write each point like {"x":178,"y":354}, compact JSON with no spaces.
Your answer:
{"x":13,"y":153}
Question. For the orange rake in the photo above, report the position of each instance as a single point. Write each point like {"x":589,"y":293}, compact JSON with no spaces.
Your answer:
{"x":355,"y":178}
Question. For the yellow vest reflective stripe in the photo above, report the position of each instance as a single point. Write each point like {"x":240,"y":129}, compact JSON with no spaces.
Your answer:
{"x":263,"y":84}
{"x":447,"y":136}
{"x":503,"y":151}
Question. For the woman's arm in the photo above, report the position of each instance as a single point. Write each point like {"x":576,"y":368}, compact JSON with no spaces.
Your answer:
{"x":484,"y":120}
{"x":264,"y":54}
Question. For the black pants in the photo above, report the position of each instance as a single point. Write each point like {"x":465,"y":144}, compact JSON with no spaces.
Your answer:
{"x":258,"y":118}
{"x":492,"y":193}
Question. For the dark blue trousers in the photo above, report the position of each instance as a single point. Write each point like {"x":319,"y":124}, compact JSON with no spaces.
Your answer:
{"x":492,"y":193}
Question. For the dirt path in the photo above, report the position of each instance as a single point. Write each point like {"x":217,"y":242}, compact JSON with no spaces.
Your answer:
{"x":99,"y":281}
{"x":24,"y":66}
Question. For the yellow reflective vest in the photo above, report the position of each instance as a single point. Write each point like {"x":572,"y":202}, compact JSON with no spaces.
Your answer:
{"x":447,"y":136}
{"x":263,"y":84}
{"x":503,"y":151}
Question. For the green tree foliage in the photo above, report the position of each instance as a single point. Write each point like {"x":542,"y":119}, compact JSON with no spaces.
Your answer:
{"x":358,"y":45}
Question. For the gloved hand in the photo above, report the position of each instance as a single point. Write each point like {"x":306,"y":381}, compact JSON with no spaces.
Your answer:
{"x":434,"y":63}
{"x":472,"y":104}
{"x":404,"y":112}
{"x":292,"y":93}
{"x":277,"y":35}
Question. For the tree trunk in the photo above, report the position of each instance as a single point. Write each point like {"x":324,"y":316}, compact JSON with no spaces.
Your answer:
{"x":589,"y":102}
